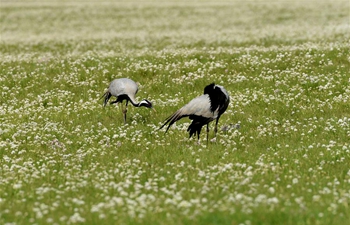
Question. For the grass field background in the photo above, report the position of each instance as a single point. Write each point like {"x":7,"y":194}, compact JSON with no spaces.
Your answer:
{"x":283,"y":157}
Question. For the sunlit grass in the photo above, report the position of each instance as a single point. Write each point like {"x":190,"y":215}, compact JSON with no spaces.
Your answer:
{"x":281,"y":155}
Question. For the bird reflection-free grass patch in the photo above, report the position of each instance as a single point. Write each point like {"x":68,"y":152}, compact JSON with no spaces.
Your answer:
{"x":281,"y":154}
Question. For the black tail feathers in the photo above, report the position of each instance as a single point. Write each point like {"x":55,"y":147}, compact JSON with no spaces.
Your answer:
{"x":195,"y":128}
{"x":106,"y":97}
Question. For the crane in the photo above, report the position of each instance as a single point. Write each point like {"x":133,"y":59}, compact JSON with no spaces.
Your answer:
{"x":202,"y":110}
{"x":124,"y":89}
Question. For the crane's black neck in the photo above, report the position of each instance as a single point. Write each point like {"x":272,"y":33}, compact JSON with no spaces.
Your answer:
{"x":136,"y":104}
{"x":127,"y":98}
{"x":144,"y":103}
{"x":216,"y":96}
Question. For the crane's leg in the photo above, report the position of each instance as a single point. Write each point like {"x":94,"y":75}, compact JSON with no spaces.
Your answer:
{"x":207,"y":133}
{"x":121,"y":106}
{"x":125,"y":111}
{"x":216,"y":126}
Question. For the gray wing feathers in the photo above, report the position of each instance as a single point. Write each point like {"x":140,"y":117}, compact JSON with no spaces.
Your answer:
{"x":199,"y":106}
{"x":123,"y":86}
{"x":172,"y":119}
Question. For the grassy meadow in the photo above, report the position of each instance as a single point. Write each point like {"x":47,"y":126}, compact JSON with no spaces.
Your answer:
{"x":282,"y":153}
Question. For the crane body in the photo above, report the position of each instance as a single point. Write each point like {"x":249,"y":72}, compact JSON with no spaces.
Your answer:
{"x":202,"y":110}
{"x":124,"y":89}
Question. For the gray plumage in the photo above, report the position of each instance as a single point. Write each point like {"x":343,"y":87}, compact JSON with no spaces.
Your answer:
{"x":202,"y":110}
{"x":124,"y":89}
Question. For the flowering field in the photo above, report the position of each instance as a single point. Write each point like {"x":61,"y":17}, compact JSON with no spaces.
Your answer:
{"x":282,"y":153}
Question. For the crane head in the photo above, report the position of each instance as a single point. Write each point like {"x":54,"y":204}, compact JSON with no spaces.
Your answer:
{"x":147,"y":104}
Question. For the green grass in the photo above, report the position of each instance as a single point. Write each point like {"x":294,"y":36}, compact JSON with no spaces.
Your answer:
{"x":64,"y":159}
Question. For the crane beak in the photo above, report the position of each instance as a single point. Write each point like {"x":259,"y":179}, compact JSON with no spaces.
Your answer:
{"x":154,"y":109}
